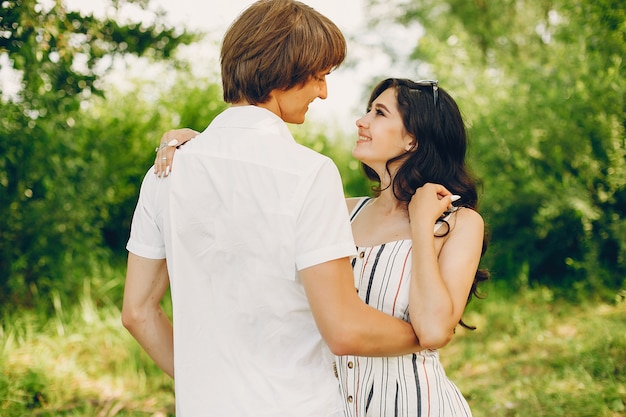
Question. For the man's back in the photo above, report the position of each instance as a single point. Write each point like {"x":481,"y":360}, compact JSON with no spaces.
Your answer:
{"x":248,"y":208}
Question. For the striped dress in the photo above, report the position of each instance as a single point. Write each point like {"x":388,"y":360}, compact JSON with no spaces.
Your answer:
{"x":412,"y":385}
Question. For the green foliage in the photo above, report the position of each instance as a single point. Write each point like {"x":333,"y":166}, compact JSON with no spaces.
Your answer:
{"x":533,"y":355}
{"x":96,"y":180}
{"x":59,"y":51}
{"x":78,"y":362}
{"x":542,"y":87}
{"x":51,"y":194}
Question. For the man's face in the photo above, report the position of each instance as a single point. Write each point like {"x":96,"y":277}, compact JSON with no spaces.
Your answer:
{"x":291,"y":105}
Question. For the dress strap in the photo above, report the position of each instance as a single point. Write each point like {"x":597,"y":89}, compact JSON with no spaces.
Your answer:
{"x":364,"y":200}
{"x":357,"y":208}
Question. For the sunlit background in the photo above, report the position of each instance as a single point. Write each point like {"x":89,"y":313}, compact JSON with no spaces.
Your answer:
{"x":346,"y":85}
{"x":542,"y":89}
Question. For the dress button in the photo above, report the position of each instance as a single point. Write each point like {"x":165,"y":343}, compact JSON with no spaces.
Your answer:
{"x":361,"y":254}
{"x":349,"y":398}
{"x":350,"y":365}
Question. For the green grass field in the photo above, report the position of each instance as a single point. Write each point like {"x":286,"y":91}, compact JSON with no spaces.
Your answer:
{"x":530,"y":356}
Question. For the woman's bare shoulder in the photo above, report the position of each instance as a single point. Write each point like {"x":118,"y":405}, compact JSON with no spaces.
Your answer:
{"x":351,"y":202}
{"x":468,"y":219}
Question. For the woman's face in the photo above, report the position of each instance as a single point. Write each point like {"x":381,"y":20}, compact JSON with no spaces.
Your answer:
{"x":382,"y":135}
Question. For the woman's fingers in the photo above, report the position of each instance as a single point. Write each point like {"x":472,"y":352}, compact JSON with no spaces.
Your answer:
{"x":164,"y":159}
{"x":165,"y":151}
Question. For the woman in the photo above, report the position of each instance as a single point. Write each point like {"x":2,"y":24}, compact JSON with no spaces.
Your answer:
{"x":417,"y":259}
{"x":418,"y":256}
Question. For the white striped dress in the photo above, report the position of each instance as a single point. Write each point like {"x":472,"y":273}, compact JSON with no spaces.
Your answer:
{"x":412,"y":385}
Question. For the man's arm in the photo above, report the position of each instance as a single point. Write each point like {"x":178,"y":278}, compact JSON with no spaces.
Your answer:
{"x":347,"y":324}
{"x":146,"y":283}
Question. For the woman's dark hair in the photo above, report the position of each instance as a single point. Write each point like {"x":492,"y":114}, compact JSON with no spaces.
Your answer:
{"x":433,"y":118}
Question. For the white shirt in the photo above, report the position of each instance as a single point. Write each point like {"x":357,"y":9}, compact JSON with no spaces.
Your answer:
{"x":244,"y":208}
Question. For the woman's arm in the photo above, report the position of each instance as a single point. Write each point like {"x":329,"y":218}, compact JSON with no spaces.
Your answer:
{"x":170,"y":141}
{"x":442,"y":271}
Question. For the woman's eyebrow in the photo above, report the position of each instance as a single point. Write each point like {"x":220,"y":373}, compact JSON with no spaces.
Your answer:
{"x":382,"y":106}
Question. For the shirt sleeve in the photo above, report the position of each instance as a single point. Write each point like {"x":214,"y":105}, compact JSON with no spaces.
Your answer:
{"x":323,"y":231}
{"x":146,"y":239}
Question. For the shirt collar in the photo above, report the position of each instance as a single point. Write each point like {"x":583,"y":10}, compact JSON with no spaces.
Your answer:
{"x":252,"y":117}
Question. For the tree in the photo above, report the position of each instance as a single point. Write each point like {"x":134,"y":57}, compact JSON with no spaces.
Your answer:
{"x":50,"y":229}
{"x":542,"y":86}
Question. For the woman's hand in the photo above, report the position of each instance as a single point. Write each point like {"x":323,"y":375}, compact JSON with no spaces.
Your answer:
{"x":429,"y":203}
{"x":165,"y":152}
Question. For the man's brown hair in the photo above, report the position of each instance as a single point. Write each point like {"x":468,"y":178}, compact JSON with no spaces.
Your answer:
{"x":277,"y":45}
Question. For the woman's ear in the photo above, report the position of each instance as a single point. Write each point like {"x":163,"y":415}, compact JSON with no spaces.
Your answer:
{"x":410,"y":144}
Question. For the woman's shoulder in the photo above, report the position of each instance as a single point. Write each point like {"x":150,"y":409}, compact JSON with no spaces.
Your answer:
{"x":468,"y":219}
{"x":352,"y":202}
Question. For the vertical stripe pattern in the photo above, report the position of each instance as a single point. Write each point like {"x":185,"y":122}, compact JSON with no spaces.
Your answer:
{"x":413,"y":385}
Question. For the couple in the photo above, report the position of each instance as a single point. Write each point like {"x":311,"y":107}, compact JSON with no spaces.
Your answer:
{"x":258,"y":243}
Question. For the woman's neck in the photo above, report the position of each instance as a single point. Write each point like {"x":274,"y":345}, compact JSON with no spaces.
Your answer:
{"x":388,"y":203}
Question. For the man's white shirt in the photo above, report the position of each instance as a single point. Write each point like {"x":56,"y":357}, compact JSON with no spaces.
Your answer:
{"x":243,"y":210}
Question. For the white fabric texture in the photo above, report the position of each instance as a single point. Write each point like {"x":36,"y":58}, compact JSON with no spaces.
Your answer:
{"x":246,"y":208}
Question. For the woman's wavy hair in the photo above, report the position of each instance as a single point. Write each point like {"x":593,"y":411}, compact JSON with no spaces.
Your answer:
{"x":433,"y":118}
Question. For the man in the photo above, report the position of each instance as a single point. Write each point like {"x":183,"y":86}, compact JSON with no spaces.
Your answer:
{"x":256,"y":235}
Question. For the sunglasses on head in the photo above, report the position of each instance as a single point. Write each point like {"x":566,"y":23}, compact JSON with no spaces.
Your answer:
{"x":434,"y":84}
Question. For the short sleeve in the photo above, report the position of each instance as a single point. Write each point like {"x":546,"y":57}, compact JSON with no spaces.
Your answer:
{"x":146,"y":239}
{"x":323,"y":230}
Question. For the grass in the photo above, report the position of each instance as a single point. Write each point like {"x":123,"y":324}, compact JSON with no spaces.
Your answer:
{"x":78,"y":362}
{"x":531,"y":356}
{"x":534,"y":356}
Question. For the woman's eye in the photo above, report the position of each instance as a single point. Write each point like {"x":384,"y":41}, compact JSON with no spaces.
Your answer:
{"x":379,"y":113}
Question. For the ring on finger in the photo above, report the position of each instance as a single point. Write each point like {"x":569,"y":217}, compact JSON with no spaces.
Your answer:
{"x":161,"y":146}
